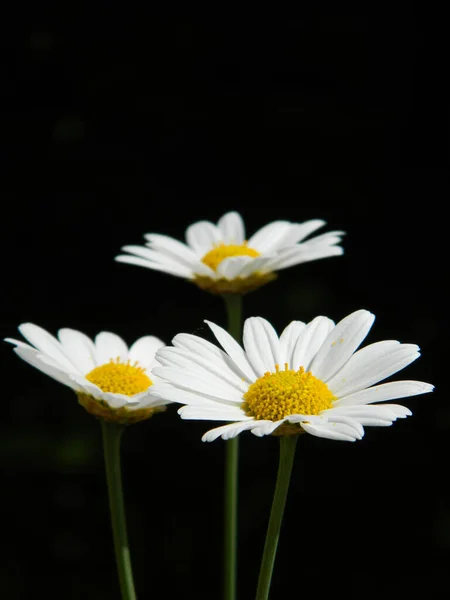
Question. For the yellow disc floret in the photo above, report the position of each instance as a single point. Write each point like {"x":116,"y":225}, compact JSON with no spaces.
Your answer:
{"x":215,"y":256}
{"x":237,"y":285}
{"x":120,"y":378}
{"x":277,"y":395}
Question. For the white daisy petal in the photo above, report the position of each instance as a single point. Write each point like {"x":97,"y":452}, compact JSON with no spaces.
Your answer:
{"x":173,"y":249}
{"x":299,"y":231}
{"x":385,"y":391}
{"x":228,"y":432}
{"x":202,"y":366}
{"x":194,"y":343}
{"x":309,"y":341}
{"x":178,"y":270}
{"x":109,"y":346}
{"x":258,"y":264}
{"x":263,"y":428}
{"x":330,"y":238}
{"x":202,"y":236}
{"x":340,"y":344}
{"x":234,"y":351}
{"x":232,"y":228}
{"x":166,"y":261}
{"x":79,"y":348}
{"x":288,"y":339}
{"x":185,"y":380}
{"x":371,"y":365}
{"x":117,"y":400}
{"x":231,"y":267}
{"x":211,"y":413}
{"x":298,"y":418}
{"x":33,"y":358}
{"x":19,"y":343}
{"x":47,"y":344}
{"x":261,"y":344}
{"x":144,"y":349}
{"x":371,"y":413}
{"x":301,"y":254}
{"x":269,"y":237}
{"x":147,"y":401}
{"x":170,"y":393}
{"x":331,"y":431}
{"x":349,"y":422}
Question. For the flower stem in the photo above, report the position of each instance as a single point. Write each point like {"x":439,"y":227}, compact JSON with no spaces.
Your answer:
{"x":286,"y":460}
{"x":112,"y":434}
{"x":233,"y":304}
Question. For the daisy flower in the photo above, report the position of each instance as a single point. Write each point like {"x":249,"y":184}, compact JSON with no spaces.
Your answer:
{"x":312,"y":378}
{"x":112,"y":381}
{"x":219,"y":258}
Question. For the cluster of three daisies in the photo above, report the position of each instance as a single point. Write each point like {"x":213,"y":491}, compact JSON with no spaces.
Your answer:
{"x":312,"y":377}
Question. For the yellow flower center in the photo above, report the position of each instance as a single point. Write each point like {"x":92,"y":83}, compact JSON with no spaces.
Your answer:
{"x":277,"y":395}
{"x":120,"y":378}
{"x":215,"y":256}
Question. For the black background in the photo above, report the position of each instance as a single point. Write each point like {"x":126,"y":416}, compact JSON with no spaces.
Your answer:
{"x":122,"y":123}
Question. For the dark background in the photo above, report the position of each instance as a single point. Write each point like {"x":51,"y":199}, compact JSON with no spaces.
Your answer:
{"x":122,"y":123}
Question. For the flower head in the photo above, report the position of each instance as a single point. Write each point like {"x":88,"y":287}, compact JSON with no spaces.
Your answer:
{"x":219,"y":258}
{"x":311,"y":378}
{"x":112,"y":382}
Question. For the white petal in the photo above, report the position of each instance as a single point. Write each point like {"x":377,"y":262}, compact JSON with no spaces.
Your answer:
{"x":164,"y":261}
{"x":203,"y":367}
{"x":309,"y":342}
{"x":234,"y":350}
{"x":301,"y":254}
{"x":19,"y":343}
{"x":299,"y":231}
{"x":386,"y":391}
{"x":148,"y":401}
{"x":203,"y":236}
{"x":171,"y":393}
{"x":210,"y":413}
{"x":371,"y":414}
{"x":261,"y":344}
{"x":371,"y":365}
{"x":332,"y":431}
{"x":173,"y":249}
{"x":79,"y":348}
{"x":257,"y":264}
{"x":231,"y":267}
{"x":116,"y":400}
{"x":178,"y":271}
{"x":340,"y":344}
{"x":47,"y":344}
{"x":288,"y":339}
{"x":228,"y":431}
{"x":263,"y":428}
{"x":212,"y":387}
{"x":33,"y":358}
{"x":144,"y":349}
{"x":198,"y":345}
{"x":232,"y":228}
{"x":325,"y":239}
{"x":109,"y":346}
{"x":270,"y":237}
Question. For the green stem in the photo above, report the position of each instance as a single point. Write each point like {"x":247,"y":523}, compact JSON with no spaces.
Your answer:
{"x":233,"y":304}
{"x":112,"y":434}
{"x":287,"y":454}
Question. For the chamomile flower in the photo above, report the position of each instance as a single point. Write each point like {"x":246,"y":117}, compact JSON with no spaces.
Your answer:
{"x":112,"y":382}
{"x":219,"y":258}
{"x":312,"y":378}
